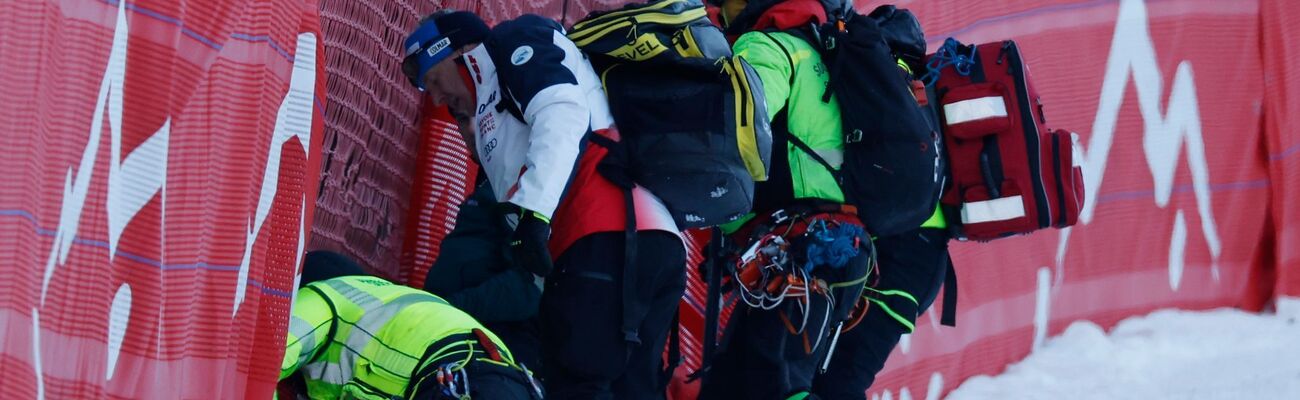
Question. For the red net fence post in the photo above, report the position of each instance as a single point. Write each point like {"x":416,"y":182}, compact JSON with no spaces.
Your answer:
{"x":443,"y":180}
{"x":162,"y":160}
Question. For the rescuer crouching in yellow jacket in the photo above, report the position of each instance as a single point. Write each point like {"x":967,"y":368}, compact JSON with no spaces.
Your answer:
{"x":363,"y":337}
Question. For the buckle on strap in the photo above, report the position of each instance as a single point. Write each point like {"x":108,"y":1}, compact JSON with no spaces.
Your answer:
{"x":779,"y":216}
{"x":853,"y":137}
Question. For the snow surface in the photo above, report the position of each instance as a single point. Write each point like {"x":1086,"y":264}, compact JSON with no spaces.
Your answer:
{"x":1169,"y":354}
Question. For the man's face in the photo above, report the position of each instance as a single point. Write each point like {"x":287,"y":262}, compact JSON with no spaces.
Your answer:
{"x":444,"y":86}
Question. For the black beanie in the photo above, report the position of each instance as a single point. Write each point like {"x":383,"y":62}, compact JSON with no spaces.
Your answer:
{"x":462,"y":27}
{"x":436,"y":37}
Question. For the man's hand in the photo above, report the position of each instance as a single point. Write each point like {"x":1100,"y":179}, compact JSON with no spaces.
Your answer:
{"x":528,"y":244}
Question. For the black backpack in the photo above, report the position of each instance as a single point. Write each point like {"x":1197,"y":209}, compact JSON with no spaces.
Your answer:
{"x":892,"y":170}
{"x":692,"y":122}
{"x":691,"y":119}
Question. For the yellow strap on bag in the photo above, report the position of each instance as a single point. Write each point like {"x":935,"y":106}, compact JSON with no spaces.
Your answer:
{"x":641,"y":46}
{"x":746,"y":119}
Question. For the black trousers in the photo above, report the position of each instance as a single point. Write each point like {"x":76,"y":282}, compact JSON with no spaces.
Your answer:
{"x":583,"y":346}
{"x":914,"y":262}
{"x":762,"y":359}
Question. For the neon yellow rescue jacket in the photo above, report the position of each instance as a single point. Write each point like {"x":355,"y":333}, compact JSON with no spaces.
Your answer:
{"x":363,"y":337}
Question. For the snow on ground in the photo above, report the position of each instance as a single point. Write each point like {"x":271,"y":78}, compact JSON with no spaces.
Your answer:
{"x":1169,"y":354}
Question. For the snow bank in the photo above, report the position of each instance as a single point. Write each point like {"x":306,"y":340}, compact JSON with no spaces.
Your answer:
{"x":1169,"y":354}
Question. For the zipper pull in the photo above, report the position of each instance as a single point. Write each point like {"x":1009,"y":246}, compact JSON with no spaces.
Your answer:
{"x":631,"y":31}
{"x":1041,"y":116}
{"x":1002,"y":53}
{"x":817,"y":35}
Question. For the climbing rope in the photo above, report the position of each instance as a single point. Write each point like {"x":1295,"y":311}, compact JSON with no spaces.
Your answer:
{"x":947,"y":55}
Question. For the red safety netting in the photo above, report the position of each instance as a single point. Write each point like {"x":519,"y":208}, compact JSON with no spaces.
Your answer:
{"x":161,"y":159}
{"x":443,"y":181}
{"x":371,"y":141}
{"x":202,"y":183}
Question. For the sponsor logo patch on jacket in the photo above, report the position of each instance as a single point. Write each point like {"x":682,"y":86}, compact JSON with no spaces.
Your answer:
{"x":521,"y":55}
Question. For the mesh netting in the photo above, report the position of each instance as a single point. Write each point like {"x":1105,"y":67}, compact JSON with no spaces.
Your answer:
{"x":371,"y":140}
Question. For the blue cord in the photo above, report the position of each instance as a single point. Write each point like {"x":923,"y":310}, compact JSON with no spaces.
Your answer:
{"x":946,"y":56}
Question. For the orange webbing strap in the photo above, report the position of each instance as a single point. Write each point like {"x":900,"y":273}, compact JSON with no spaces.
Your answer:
{"x":857,"y":314}
{"x":789,"y":326}
{"x":488,"y":346}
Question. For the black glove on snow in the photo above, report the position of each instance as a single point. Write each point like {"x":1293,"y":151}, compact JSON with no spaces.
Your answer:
{"x":528,"y":244}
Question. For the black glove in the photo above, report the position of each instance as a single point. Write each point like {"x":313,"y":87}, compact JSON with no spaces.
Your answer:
{"x":528,"y":243}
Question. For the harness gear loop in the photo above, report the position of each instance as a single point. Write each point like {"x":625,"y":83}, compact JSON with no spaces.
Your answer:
{"x":787,"y":248}
{"x":454,"y":381}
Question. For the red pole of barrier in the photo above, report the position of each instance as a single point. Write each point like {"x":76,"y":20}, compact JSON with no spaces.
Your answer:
{"x":443,"y":179}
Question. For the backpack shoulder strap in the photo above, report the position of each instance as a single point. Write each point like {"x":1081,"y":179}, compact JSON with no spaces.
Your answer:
{"x":792,"y":138}
{"x":785,"y":51}
{"x":674,"y":350}
{"x":712,"y":303}
{"x":949,"y":316}
{"x":816,"y":157}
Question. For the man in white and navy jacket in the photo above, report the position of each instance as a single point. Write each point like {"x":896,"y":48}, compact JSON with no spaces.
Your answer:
{"x":527,"y":101}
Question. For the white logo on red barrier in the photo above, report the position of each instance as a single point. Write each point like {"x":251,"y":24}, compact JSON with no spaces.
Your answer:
{"x":76,"y":188}
{"x":144,"y":168}
{"x":136,"y":179}
{"x":292,"y":121}
{"x":1133,"y":54}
